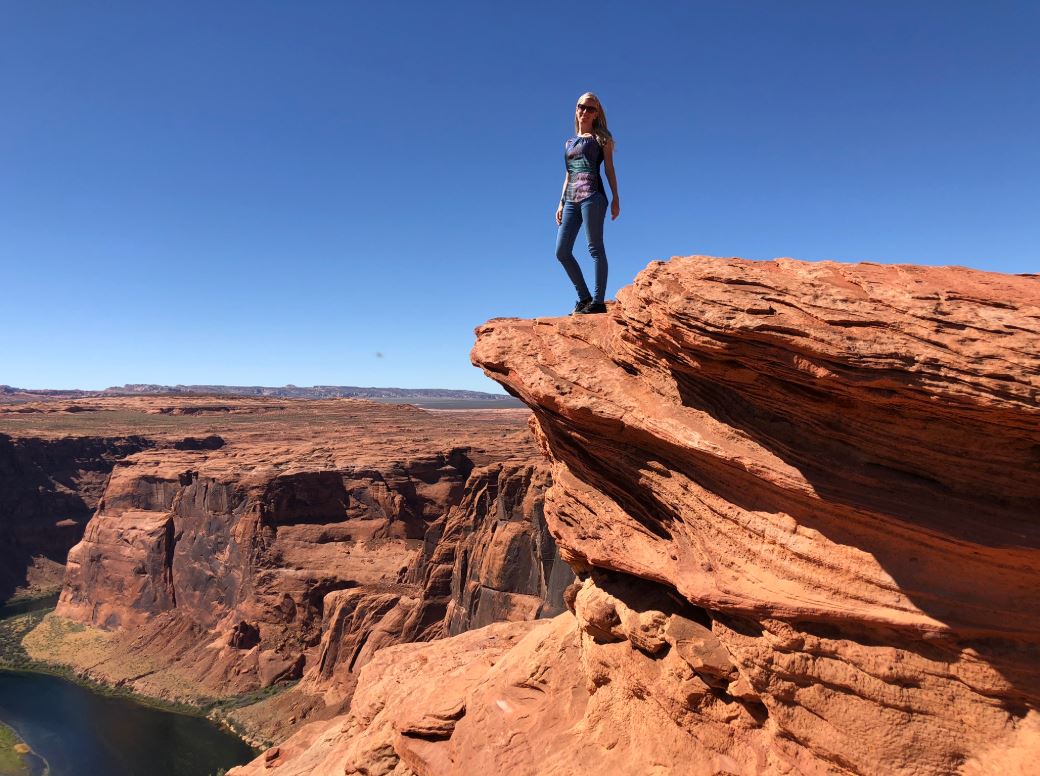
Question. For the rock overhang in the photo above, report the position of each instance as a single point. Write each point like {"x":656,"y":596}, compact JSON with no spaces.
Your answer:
{"x":799,"y":440}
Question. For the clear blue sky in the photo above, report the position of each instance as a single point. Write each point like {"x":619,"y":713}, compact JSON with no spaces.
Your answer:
{"x":338,"y":192}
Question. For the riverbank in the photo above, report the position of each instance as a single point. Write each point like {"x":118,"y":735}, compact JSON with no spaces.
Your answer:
{"x":14,"y":657}
{"x":83,"y":733}
{"x":55,"y":642}
{"x":61,"y":640}
{"x":16,"y":756}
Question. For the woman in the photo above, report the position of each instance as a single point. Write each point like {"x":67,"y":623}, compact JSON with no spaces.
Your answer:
{"x":584,"y":200}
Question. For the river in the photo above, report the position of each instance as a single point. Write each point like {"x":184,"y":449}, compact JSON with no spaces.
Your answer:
{"x":81,"y":733}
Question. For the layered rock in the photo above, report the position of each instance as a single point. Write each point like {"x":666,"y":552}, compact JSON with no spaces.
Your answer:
{"x":803,"y":502}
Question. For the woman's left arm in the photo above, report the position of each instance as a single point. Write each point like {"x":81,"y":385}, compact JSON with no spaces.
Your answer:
{"x":608,"y":166}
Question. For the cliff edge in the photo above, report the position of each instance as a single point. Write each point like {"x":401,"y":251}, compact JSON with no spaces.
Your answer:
{"x":803,"y":504}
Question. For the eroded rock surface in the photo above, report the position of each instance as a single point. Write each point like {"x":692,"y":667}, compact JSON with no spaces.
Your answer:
{"x":803,"y":501}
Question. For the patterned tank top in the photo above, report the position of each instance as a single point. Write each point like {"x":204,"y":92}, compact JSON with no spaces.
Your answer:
{"x":583,"y":156}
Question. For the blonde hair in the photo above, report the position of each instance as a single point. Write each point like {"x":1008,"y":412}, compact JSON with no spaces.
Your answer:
{"x":599,"y":124}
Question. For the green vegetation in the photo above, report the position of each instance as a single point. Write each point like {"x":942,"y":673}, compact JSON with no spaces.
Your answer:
{"x":12,"y":630}
{"x":14,"y":657}
{"x":221,"y":711}
{"x":233,"y":702}
{"x":11,"y":750}
{"x":23,"y":603}
{"x":40,"y":595}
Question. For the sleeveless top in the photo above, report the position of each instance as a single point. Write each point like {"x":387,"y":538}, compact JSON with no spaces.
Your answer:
{"x":583,"y":156}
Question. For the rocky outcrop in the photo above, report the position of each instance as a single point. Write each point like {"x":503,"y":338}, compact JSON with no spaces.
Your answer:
{"x":802,"y":500}
{"x":410,"y":700}
{"x":845,"y":401}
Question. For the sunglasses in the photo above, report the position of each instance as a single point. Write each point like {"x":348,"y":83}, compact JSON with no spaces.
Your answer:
{"x":588,"y":108}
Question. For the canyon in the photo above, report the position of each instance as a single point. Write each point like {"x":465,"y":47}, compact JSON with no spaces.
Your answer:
{"x":241,"y":547}
{"x":760,"y":518}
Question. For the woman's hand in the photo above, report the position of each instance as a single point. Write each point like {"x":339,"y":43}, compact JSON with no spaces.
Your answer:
{"x":615,"y":209}
{"x":559,"y":214}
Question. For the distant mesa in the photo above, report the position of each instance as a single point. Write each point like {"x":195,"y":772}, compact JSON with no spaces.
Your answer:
{"x":10,"y":393}
{"x":297,"y":392}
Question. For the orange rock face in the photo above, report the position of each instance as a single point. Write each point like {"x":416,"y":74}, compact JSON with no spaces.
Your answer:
{"x":803,"y":501}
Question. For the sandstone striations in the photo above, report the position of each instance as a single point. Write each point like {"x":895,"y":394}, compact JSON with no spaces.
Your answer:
{"x":253,"y":544}
{"x":803,"y":501}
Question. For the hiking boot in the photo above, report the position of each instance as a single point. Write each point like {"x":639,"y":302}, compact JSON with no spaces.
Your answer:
{"x":591,"y":308}
{"x":580,"y":306}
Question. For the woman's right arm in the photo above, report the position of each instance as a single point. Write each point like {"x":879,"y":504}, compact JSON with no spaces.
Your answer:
{"x":563,"y":193}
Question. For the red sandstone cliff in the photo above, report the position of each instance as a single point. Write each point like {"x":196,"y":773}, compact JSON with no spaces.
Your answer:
{"x":803,"y":501}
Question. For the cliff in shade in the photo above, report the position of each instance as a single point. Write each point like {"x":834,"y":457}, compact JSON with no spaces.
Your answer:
{"x":803,"y":504}
{"x":48,"y":490}
{"x":287,"y":542}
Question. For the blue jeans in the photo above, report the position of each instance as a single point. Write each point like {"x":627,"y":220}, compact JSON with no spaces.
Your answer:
{"x":592,"y":211}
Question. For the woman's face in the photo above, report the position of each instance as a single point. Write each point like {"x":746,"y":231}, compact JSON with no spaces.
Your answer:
{"x":586,"y":112}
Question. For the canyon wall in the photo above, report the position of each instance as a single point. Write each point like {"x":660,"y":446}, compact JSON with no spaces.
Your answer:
{"x":48,"y":490}
{"x":803,"y":504}
{"x":488,"y":559}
